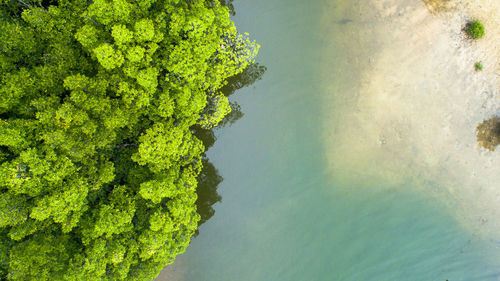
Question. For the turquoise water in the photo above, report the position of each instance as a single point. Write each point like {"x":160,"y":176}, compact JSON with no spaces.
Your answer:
{"x":281,"y":214}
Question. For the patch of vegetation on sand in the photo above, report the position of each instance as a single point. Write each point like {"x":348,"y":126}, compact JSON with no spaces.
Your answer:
{"x":478,"y":66}
{"x":475,"y":29}
{"x":488,"y":133}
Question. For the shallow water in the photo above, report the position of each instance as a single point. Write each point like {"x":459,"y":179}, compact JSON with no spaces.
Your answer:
{"x":285,"y":214}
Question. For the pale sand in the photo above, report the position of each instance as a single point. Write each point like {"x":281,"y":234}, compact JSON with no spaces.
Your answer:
{"x":406,"y":103}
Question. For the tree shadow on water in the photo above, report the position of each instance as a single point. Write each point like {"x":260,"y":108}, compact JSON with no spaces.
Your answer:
{"x":209,"y":178}
{"x":250,"y":75}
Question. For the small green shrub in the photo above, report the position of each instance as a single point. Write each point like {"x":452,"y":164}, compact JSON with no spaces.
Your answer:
{"x":478,"y":66}
{"x":475,"y":29}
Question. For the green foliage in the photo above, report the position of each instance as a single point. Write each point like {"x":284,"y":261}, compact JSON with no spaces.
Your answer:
{"x":98,"y":156}
{"x":475,"y":29}
{"x":478,"y":66}
{"x":108,"y":57}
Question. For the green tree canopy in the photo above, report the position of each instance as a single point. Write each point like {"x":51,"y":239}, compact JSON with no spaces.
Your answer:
{"x":98,"y":156}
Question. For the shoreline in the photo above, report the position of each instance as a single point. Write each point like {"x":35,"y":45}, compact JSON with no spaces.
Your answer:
{"x":413,"y":100}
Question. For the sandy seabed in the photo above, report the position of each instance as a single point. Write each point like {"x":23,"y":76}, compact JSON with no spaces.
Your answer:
{"x":404,"y":105}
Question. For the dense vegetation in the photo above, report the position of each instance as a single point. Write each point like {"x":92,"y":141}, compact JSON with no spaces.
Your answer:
{"x":475,"y":29}
{"x":100,"y":103}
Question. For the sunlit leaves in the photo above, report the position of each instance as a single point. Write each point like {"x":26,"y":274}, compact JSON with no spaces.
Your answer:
{"x":107,"y":12}
{"x":13,"y":209}
{"x":121,"y":34}
{"x":40,"y":258}
{"x":87,"y":35}
{"x":112,"y":217}
{"x":156,"y":190}
{"x":219,"y":107}
{"x":135,"y":54}
{"x":165,"y":105}
{"x":165,"y":144}
{"x":148,"y":78}
{"x":14,"y":87}
{"x":108,"y":57}
{"x":13,"y":135}
{"x":144,"y":30}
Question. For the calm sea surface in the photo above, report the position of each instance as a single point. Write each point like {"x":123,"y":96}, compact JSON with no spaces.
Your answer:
{"x":280,"y":214}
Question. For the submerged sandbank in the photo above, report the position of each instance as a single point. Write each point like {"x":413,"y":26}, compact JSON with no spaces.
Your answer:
{"x":404,"y":106}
